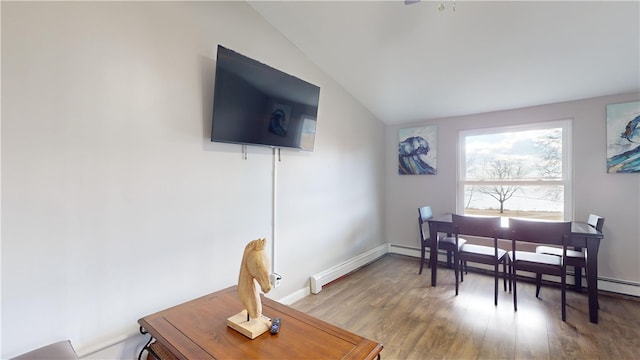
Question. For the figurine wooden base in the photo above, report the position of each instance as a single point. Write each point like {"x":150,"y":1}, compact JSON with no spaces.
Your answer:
{"x":252,"y":328}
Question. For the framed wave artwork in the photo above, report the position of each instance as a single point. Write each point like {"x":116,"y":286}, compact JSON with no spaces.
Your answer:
{"x":417,"y":153}
{"x":623,"y":137}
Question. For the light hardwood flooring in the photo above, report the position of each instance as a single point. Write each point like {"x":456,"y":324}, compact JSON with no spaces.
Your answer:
{"x":387,"y":301}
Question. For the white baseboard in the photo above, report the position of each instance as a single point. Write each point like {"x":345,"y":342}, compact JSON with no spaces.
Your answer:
{"x":414,"y":252}
{"x":618,"y":286}
{"x":318,"y":280}
{"x":124,"y":347}
{"x":404,"y":250}
{"x":295,"y":296}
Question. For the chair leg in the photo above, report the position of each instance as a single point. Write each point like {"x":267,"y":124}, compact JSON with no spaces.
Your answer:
{"x":563,"y":279}
{"x":515,"y":288}
{"x":577,"y":283}
{"x":463,"y":265}
{"x":422,"y":252}
{"x":495,"y":284}
{"x":456,"y":269}
{"x":504,"y":273}
{"x":509,"y":275}
{"x":538,"y":283}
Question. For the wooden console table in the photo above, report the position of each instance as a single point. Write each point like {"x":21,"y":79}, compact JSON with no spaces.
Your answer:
{"x":198,"y":329}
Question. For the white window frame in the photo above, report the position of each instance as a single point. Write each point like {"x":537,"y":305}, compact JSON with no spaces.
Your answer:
{"x":567,"y":161}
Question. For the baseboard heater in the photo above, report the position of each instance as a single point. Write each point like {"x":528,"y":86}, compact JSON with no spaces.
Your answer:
{"x":318,"y":280}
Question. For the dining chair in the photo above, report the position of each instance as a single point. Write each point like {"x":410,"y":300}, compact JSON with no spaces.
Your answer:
{"x":483,"y":227}
{"x":575,"y":258}
{"x":538,"y":232}
{"x":447,"y":243}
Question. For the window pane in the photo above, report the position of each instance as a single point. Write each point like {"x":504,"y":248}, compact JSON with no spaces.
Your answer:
{"x":517,"y":155}
{"x":516,"y":171}
{"x":543,"y":202}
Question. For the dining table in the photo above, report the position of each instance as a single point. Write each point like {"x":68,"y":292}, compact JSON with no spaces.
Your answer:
{"x":583,"y":236}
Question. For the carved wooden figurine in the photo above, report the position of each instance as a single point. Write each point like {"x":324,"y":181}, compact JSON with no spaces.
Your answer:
{"x":254,"y":268}
{"x":255,"y":265}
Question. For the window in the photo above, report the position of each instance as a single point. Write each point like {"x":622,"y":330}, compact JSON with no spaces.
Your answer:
{"x":517,"y":171}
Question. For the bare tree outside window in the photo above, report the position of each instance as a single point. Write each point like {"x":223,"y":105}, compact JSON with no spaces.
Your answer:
{"x":550,"y":153}
{"x":502,"y":170}
{"x":469,"y":190}
{"x":550,"y":164}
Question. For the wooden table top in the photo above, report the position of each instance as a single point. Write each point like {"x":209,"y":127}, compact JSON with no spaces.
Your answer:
{"x":198,"y":329}
{"x":578,"y":228}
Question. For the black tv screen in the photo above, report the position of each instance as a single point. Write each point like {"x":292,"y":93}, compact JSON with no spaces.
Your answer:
{"x":255,"y":104}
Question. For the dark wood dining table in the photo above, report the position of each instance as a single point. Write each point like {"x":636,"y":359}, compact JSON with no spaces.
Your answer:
{"x":583,"y":236}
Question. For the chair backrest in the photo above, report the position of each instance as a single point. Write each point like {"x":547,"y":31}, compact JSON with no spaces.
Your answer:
{"x":596,"y":221}
{"x":424,"y":214}
{"x":542,"y":232}
{"x":476,"y":226}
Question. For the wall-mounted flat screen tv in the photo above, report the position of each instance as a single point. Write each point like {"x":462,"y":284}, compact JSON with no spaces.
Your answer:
{"x":255,"y":104}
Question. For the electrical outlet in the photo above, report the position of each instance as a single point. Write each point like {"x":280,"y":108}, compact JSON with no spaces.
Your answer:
{"x":275,"y":280}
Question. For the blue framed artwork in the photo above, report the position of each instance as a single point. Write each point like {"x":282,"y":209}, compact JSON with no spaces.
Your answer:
{"x":623,"y":137}
{"x":417,"y":153}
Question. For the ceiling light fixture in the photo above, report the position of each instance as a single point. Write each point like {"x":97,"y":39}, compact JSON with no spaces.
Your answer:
{"x":441,"y":7}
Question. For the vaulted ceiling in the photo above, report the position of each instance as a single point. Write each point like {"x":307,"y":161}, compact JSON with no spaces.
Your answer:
{"x":408,"y":63}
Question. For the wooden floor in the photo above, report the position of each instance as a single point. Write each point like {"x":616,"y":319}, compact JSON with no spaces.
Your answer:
{"x":387,"y":301}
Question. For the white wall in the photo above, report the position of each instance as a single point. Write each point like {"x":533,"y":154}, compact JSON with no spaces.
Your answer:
{"x":115,"y":204}
{"x":614,"y":196}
